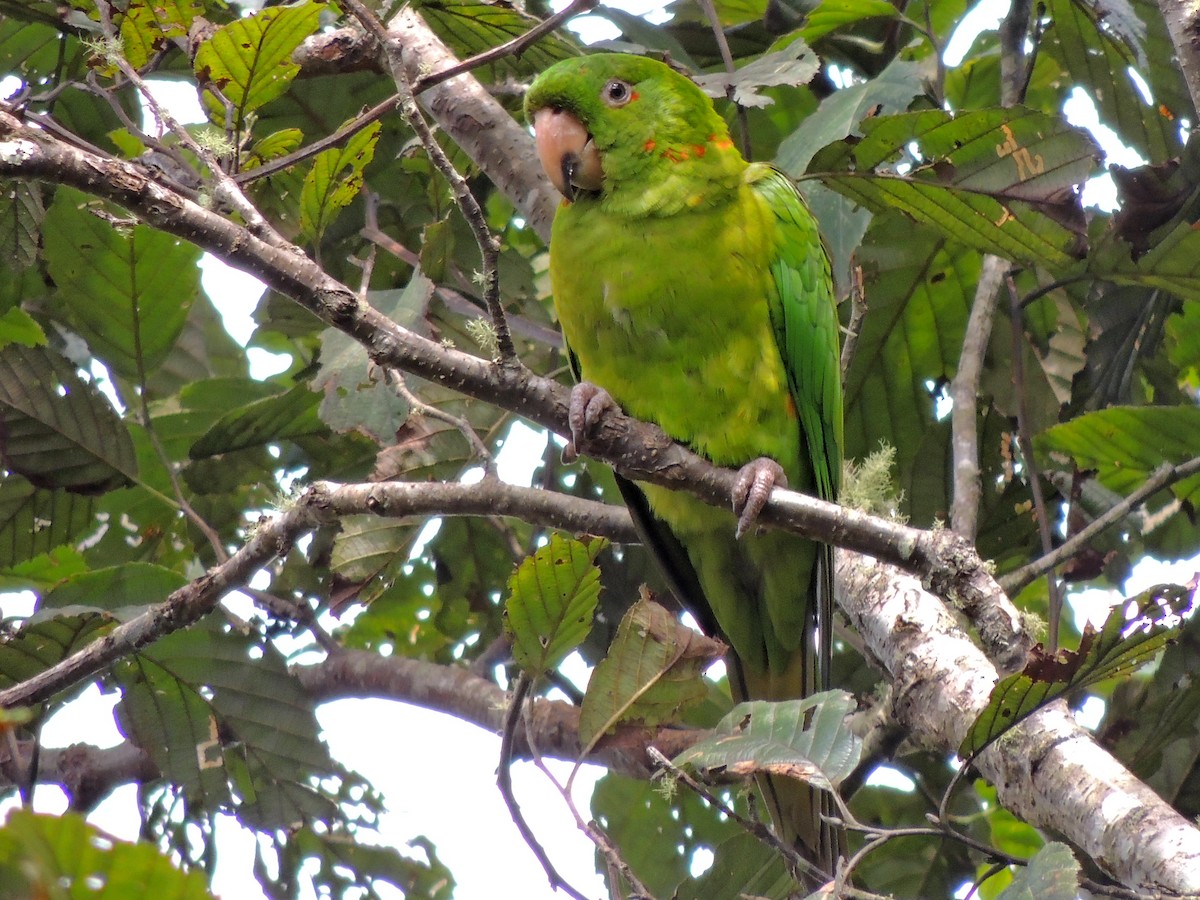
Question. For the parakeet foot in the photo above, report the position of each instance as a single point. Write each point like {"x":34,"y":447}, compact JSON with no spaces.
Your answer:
{"x":752,"y":488}
{"x":589,"y":404}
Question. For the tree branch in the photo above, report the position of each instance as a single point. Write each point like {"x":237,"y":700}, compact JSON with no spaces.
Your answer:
{"x":1047,"y":770}
{"x":1183,"y":24}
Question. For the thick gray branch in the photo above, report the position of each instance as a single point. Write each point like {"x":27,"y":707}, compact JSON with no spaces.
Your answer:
{"x":1183,"y":24}
{"x":1048,"y":770}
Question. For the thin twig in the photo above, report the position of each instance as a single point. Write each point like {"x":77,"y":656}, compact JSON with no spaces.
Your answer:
{"x":504,"y":783}
{"x":594,"y":833}
{"x":858,"y":312}
{"x":510,"y":48}
{"x":964,"y":393}
{"x":226,"y":189}
{"x":714,"y":22}
{"x":478,"y":448}
{"x":489,"y":244}
{"x":754,"y":827}
{"x":1029,"y":463}
{"x":1162,"y":477}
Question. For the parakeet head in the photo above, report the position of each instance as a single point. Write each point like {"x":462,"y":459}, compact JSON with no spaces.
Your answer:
{"x":610,"y":121}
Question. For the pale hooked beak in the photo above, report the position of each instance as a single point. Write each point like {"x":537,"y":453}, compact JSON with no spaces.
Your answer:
{"x":567,"y":152}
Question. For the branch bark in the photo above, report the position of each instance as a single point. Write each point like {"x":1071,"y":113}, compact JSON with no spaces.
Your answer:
{"x":1047,"y":770}
{"x":1183,"y":24}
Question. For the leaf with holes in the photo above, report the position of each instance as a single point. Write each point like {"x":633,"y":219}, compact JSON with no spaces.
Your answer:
{"x":250,"y":60}
{"x":1132,"y":634}
{"x":652,"y":672}
{"x":334,"y":180}
{"x":805,"y":739}
{"x":551,"y":598}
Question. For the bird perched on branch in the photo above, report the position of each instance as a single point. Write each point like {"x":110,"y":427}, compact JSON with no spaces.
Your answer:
{"x":693,"y":291}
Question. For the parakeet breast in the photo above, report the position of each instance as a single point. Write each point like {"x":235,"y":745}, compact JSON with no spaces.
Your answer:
{"x":670,"y":315}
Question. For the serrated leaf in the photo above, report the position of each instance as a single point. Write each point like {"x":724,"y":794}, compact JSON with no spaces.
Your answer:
{"x":791,"y":66}
{"x":232,"y":719}
{"x":1053,"y":874}
{"x":354,"y":397}
{"x":18,"y":327}
{"x":471,"y":27}
{"x":58,"y":430}
{"x":651,"y":673}
{"x":1124,"y":445}
{"x":805,"y":739}
{"x":63,"y":856}
{"x":35,"y":648}
{"x":1132,"y":634}
{"x":551,"y":599}
{"x":328,"y":187}
{"x":292,"y":414}
{"x":250,"y":59}
{"x":127,"y":290}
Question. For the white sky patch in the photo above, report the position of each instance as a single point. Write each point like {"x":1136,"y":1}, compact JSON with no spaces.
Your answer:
{"x":596,"y":28}
{"x":983,"y":17}
{"x":1091,"y":713}
{"x":889,"y":777}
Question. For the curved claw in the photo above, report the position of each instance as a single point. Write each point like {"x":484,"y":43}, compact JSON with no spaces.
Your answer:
{"x":588,"y":406}
{"x":752,"y":488}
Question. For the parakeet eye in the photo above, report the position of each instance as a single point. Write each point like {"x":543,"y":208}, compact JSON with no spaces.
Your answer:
{"x":616,"y":93}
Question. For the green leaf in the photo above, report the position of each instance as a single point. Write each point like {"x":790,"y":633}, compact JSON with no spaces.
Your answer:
{"x":355,"y":396}
{"x":250,"y":59}
{"x":657,"y":835}
{"x":342,"y":865}
{"x":366,"y":545}
{"x":18,"y":327}
{"x":805,"y":739}
{"x":327,"y":191}
{"x":1124,"y":445}
{"x":1053,"y":874}
{"x":1000,"y":180}
{"x":1098,"y":60}
{"x":471,"y":27}
{"x":212,"y":706}
{"x":59,"y":431}
{"x":743,"y":866}
{"x":125,"y":591}
{"x":840,"y":113}
{"x":652,"y":672}
{"x":35,"y":521}
{"x":21,"y":215}
{"x":272,"y":147}
{"x":127,"y":290}
{"x":289,"y":415}
{"x":63,"y":856}
{"x":833,"y":15}
{"x":1132,"y":634}
{"x":37,"y":647}
{"x":551,"y":598}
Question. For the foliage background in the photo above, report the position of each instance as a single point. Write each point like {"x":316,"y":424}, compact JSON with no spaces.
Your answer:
{"x":1084,"y":389}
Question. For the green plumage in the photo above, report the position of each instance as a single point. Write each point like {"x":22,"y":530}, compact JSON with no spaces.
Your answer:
{"x":693,"y":287}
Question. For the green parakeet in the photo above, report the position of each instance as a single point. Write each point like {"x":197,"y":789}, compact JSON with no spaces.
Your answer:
{"x":694,"y":292}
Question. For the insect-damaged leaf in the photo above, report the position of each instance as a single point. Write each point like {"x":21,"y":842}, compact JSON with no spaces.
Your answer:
{"x":552,"y":596}
{"x":806,"y":739}
{"x":651,"y":673}
{"x":1134,"y":632}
